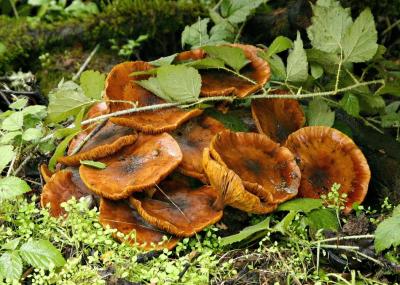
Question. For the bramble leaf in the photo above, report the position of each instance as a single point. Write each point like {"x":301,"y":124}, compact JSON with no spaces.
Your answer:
{"x":19,"y":104}
{"x":10,"y":266}
{"x":166,"y":60}
{"x":237,"y":11}
{"x":279,"y":44}
{"x":319,"y":114}
{"x":41,"y":254}
{"x":180,"y":83}
{"x":32,"y":134}
{"x":232,"y":56}
{"x":11,"y":187}
{"x":94,"y":164}
{"x":387,"y":233}
{"x":7,"y":154}
{"x":196,"y":35}
{"x":207,"y":63}
{"x":301,"y":204}
{"x":360,"y":41}
{"x":323,"y":219}
{"x":297,"y":65}
{"x":13,"y":122}
{"x":153,"y":85}
{"x":329,"y":25}
{"x":350,"y":104}
{"x":316,"y":70}
{"x":276,"y":64}
{"x":92,"y":83}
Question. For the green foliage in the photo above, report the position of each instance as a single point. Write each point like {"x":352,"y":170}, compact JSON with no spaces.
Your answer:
{"x":231,"y":56}
{"x":297,"y":65}
{"x":237,"y":11}
{"x":387,"y":233}
{"x":130,"y":48}
{"x":11,"y":187}
{"x":41,"y":254}
{"x":92,"y":83}
{"x":7,"y":154}
{"x":319,"y":113}
{"x":305,"y":205}
{"x":279,"y":44}
{"x":323,"y":219}
{"x":246,"y":233}
{"x":94,"y":164}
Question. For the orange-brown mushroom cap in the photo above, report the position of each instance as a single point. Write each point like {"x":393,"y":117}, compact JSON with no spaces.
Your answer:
{"x":119,"y":215}
{"x":231,"y":190}
{"x":61,"y":187}
{"x":277,"y":118}
{"x":108,"y":140}
{"x":121,"y":86}
{"x":45,"y":172}
{"x":327,"y":156}
{"x":192,"y":138}
{"x":134,"y":168}
{"x":262,"y":164}
{"x":222,"y":83}
{"x":178,"y":209}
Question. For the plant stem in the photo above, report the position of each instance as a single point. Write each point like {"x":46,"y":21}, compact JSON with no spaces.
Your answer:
{"x":85,"y":64}
{"x":344,"y":238}
{"x":15,"y":11}
{"x":89,"y":136}
{"x":238,"y":75}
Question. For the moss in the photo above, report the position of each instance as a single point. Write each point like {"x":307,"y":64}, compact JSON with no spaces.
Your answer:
{"x":162,"y":20}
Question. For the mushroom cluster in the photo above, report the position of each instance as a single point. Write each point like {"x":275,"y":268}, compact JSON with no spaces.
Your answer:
{"x":153,"y":157}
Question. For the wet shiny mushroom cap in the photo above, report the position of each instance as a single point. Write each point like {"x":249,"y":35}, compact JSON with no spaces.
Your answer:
{"x":135,"y":167}
{"x":327,"y":156}
{"x":121,"y":86}
{"x":179,"y":209}
{"x":261,"y":163}
{"x":121,"y":216}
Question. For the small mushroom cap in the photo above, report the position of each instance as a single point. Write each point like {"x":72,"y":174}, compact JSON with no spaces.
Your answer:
{"x":327,"y":156}
{"x":231,"y":191}
{"x":135,"y":167}
{"x":121,"y":86}
{"x":256,"y":159}
{"x":45,"y":172}
{"x":61,"y":187}
{"x":108,"y":140}
{"x":96,"y":110}
{"x":222,"y":83}
{"x":192,"y":138}
{"x":178,"y":209}
{"x":277,"y":118}
{"x":119,"y":215}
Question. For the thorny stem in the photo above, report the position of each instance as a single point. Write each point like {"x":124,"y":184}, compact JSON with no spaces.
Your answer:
{"x":339,"y":70}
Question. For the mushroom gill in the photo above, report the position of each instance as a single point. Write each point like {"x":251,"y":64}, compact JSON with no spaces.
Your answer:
{"x":119,"y":215}
{"x":327,"y":156}
{"x":121,"y":86}
{"x":135,"y":167}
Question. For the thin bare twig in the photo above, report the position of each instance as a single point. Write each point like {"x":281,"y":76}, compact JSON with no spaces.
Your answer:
{"x":89,"y":136}
{"x":85,"y":64}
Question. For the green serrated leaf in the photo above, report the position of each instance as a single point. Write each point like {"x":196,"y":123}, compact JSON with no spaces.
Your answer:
{"x":41,"y":254}
{"x":36,"y":110}
{"x":206,"y":63}
{"x":279,"y":44}
{"x":196,"y":35}
{"x":232,"y":56}
{"x":230,"y":120}
{"x":9,"y":137}
{"x":65,"y":101}
{"x":297,"y":65}
{"x":350,"y":104}
{"x":370,"y":104}
{"x":329,"y":61}
{"x":166,"y":60}
{"x":316,"y":70}
{"x":387,"y":233}
{"x":11,"y":245}
{"x":390,"y":120}
{"x":32,"y":134}
{"x":277,"y":67}
{"x":7,"y":154}
{"x":153,"y":85}
{"x":92,"y":82}
{"x":389,"y":88}
{"x":11,"y":266}
{"x":13,"y":122}
{"x":221,"y":33}
{"x":329,"y":25}
{"x":319,"y":114}
{"x":94,"y":164}
{"x":19,"y":104}
{"x":237,"y":11}
{"x":11,"y":187}
{"x":360,"y":41}
{"x":245,"y":233}
{"x":301,"y":204}
{"x":180,"y":83}
{"x":392,"y":107}
{"x":323,"y":219}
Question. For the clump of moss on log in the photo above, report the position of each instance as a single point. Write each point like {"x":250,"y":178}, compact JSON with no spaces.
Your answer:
{"x":162,"y":20}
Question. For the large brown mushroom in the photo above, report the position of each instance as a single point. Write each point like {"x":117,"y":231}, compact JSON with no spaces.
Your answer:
{"x":121,"y":86}
{"x":119,"y":215}
{"x":277,"y":118}
{"x":262,"y":164}
{"x":108,"y":140}
{"x":135,"y":167}
{"x":192,"y":138}
{"x":178,"y":209}
{"x":327,"y":156}
{"x":222,"y":83}
{"x":231,"y":190}
{"x":61,"y":187}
